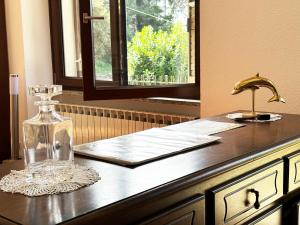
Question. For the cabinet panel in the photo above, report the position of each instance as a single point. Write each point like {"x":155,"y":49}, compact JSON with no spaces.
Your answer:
{"x":190,"y":212}
{"x":292,"y":172}
{"x":272,"y":216}
{"x":238,"y":198}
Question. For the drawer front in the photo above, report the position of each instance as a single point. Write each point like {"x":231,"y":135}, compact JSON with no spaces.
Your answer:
{"x":239,"y":198}
{"x":272,"y":216}
{"x":292,"y":172}
{"x":190,"y":212}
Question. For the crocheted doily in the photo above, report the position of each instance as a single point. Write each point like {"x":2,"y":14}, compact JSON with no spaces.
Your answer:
{"x":79,"y":176}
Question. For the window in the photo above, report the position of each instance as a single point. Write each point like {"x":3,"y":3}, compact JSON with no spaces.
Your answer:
{"x":126,"y":48}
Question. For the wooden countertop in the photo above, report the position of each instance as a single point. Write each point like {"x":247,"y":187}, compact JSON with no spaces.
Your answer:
{"x":120,"y":187}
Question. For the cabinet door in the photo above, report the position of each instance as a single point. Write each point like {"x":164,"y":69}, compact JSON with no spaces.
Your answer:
{"x":272,"y":216}
{"x":292,"y":172}
{"x":237,"y":199}
{"x":190,"y":212}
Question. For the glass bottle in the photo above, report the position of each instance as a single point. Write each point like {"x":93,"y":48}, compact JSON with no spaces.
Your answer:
{"x":47,"y":138}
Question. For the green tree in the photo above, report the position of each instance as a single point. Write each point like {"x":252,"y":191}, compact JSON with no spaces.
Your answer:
{"x":178,"y":5}
{"x":142,"y":13}
{"x":159,"y":55}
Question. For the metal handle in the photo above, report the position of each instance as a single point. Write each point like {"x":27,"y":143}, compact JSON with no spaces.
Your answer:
{"x":256,"y":204}
{"x":86,"y":17}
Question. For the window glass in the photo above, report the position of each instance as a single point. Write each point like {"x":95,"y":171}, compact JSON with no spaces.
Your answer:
{"x":71,"y":38}
{"x":101,"y":31}
{"x":101,"y":35}
{"x":159,"y":42}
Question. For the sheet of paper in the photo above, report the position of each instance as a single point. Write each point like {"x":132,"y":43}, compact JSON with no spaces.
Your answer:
{"x":204,"y":127}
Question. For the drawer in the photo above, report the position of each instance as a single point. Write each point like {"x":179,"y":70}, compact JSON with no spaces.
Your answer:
{"x":292,"y":172}
{"x":272,"y":216}
{"x":237,"y":199}
{"x":190,"y":212}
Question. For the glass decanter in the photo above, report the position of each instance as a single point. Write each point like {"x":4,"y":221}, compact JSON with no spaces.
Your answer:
{"x":48,"y":137}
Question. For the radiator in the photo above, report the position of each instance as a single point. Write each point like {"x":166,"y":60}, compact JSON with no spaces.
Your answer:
{"x":97,"y":123}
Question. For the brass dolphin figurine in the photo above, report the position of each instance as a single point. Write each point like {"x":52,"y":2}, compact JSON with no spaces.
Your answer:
{"x":254,"y":83}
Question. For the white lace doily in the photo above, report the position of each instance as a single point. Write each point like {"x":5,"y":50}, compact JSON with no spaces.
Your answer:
{"x":80,"y":176}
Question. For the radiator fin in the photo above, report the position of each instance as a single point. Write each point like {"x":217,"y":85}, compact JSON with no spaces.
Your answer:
{"x":97,"y":123}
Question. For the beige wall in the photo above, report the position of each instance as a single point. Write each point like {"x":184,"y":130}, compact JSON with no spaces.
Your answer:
{"x":37,"y":47}
{"x":240,"y":38}
{"x":29,"y":49}
{"x":16,"y":51}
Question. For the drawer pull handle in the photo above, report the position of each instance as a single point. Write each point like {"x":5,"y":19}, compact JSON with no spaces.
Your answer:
{"x":256,"y":204}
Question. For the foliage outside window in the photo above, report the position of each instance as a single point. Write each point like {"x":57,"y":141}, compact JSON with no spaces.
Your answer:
{"x":158,"y":57}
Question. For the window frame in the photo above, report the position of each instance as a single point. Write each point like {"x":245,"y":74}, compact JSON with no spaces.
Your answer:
{"x":109,"y":90}
{"x":57,"y":46}
{"x":5,"y":138}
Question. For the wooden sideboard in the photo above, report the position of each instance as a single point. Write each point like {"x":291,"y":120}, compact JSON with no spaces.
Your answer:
{"x":252,"y":176}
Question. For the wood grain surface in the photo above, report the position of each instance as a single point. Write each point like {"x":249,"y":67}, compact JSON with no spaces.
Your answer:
{"x":123,"y":193}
